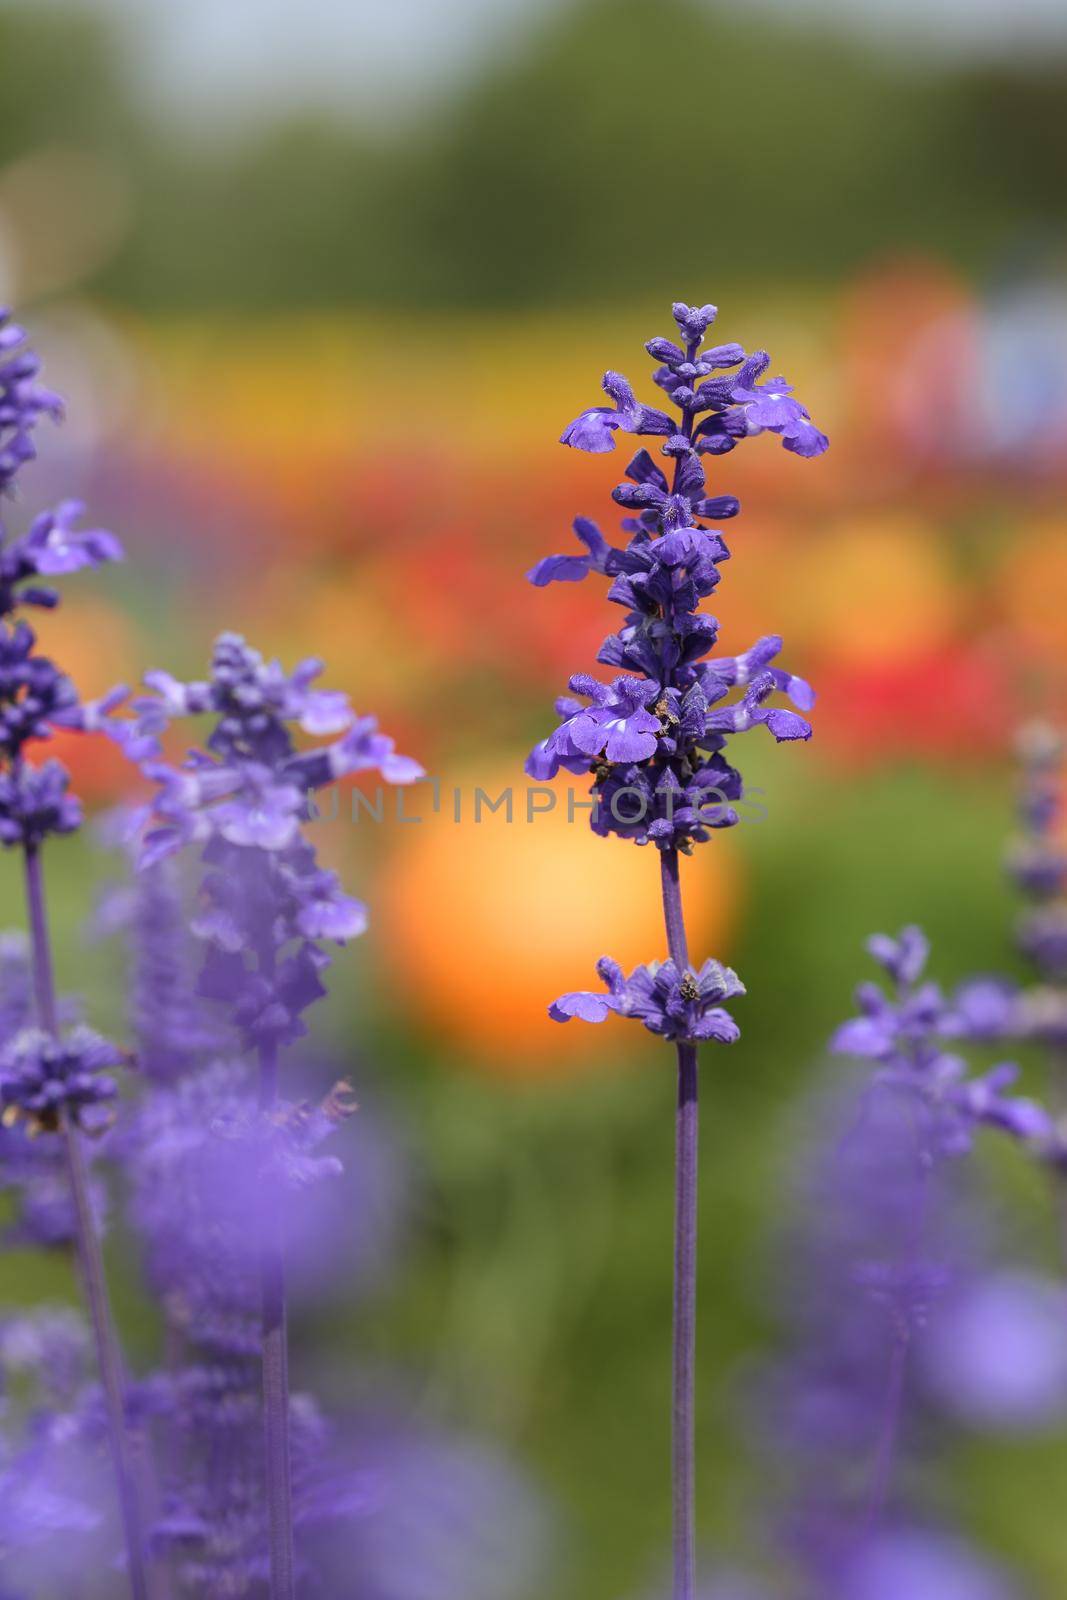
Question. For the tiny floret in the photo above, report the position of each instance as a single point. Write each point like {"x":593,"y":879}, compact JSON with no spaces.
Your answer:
{"x":44,"y":1079}
{"x":683,"y":1006}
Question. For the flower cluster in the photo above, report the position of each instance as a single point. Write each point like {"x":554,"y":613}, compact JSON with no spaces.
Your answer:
{"x":908,"y":1034}
{"x":1037,"y":862}
{"x":684,"y":1007}
{"x":23,"y":401}
{"x":31,"y":1169}
{"x":227,"y":1183}
{"x":246,"y":799}
{"x":43,"y":1078}
{"x":897,"y":1326}
{"x":654,"y":738}
{"x":35,"y":696}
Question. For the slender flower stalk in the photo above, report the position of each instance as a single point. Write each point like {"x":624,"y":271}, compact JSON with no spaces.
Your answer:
{"x":279,"y":1472}
{"x":653,"y":740}
{"x":686,"y":1165}
{"x":94,"y":1280}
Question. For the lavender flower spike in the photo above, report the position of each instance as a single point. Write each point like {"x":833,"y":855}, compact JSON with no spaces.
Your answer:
{"x":268,"y":909}
{"x":653,"y":741}
{"x":50,"y":1082}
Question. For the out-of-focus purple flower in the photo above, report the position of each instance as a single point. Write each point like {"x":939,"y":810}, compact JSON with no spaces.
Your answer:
{"x":54,"y":1522}
{"x":883,"y":1252}
{"x":434,"y":1517}
{"x":996,"y":1355}
{"x":729,"y":1585}
{"x":23,"y":401}
{"x":51,"y":1343}
{"x":251,"y":786}
{"x":1037,"y":860}
{"x":1042,"y":938}
{"x":983,"y":1100}
{"x":916,"y":1564}
{"x":172,"y":1026}
{"x":53,"y":547}
{"x":907,"y":1036}
{"x":676,"y":1005}
{"x":31,"y":1170}
{"x":987,"y":1008}
{"x":903,"y":958}
{"x":246,"y":798}
{"x":35,"y":802}
{"x":43,"y":1078}
{"x":32,"y":690}
{"x":35,"y":696}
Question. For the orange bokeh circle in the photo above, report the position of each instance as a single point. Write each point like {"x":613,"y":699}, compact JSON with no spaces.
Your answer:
{"x":493,"y":919}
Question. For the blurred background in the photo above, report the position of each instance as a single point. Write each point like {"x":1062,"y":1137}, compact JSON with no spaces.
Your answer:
{"x":322,"y":284}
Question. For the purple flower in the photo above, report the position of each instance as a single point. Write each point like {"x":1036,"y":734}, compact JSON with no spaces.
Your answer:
{"x":904,"y":958}
{"x":693,"y":321}
{"x":668,"y":563}
{"x":903,"y":1563}
{"x":618,"y":723}
{"x":907,"y":1035}
{"x":53,"y":547}
{"x":250,"y":787}
{"x":988,"y":1009}
{"x":22,"y":401}
{"x":996,"y":1356}
{"x":724,"y":673}
{"x":654,"y":741}
{"x":43,"y":1078}
{"x":34,"y":803}
{"x":594,"y":430}
{"x":770,"y":406}
{"x":751,"y":712}
{"x":33,"y":693}
{"x":982,"y":1100}
{"x":572,"y":569}
{"x":1042,"y":937}
{"x":676,"y":1005}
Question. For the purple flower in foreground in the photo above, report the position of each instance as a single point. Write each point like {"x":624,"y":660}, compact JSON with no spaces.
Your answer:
{"x":572,"y":569}
{"x":681,"y":1006}
{"x":618,"y":723}
{"x":594,"y":430}
{"x":667,"y":564}
{"x":770,"y":406}
{"x":654,"y":741}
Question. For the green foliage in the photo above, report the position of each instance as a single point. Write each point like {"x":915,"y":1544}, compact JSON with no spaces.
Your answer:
{"x":624,"y":143}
